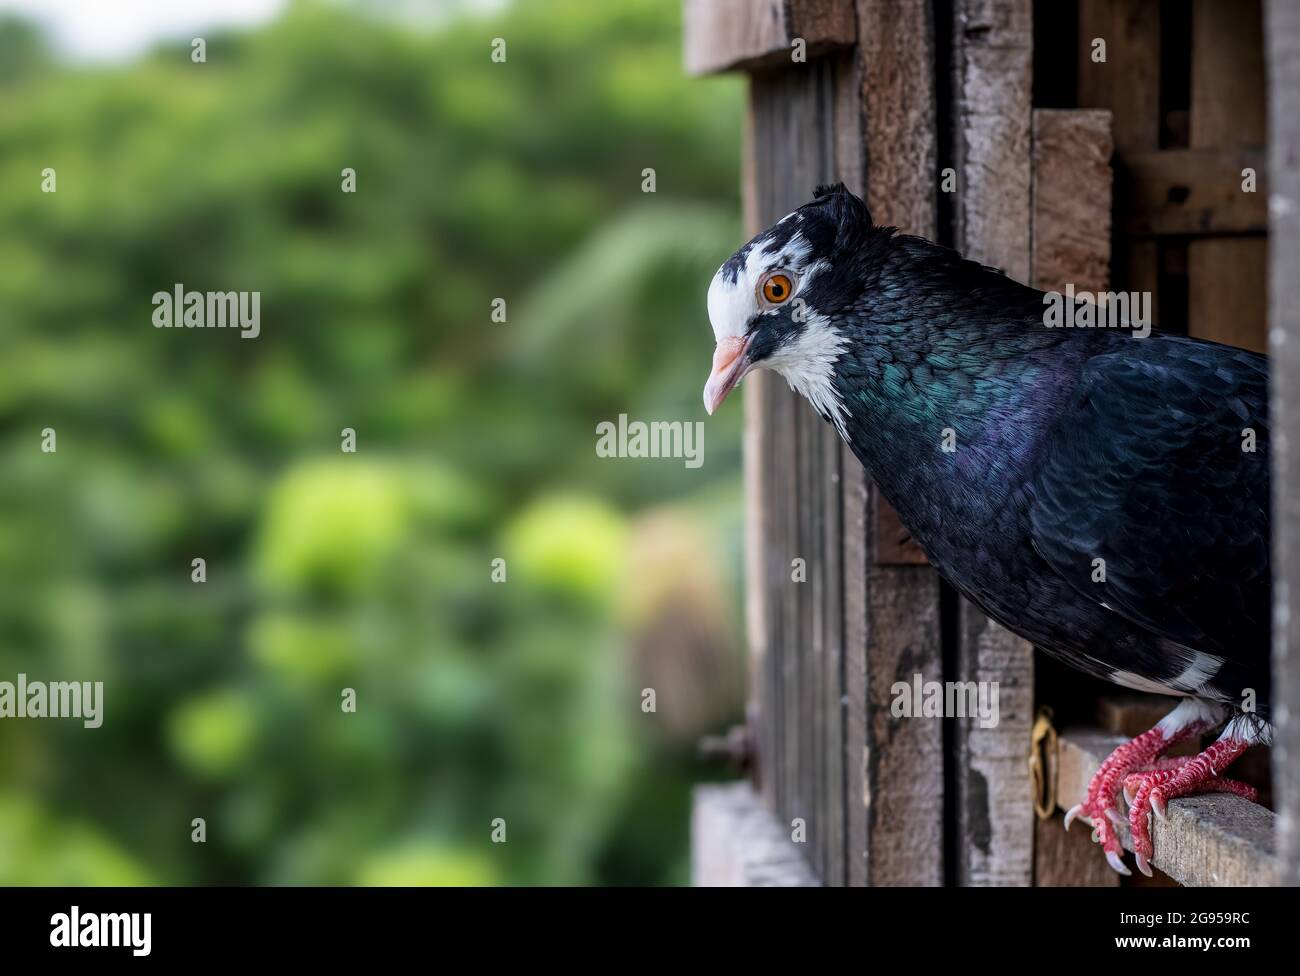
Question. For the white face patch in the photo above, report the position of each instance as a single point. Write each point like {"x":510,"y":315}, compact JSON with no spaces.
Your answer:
{"x":808,"y":364}
{"x":807,"y":360}
{"x":733,"y":303}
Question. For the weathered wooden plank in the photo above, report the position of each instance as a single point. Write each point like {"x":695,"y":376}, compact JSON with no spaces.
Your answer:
{"x":797,"y":652}
{"x":995,"y":817}
{"x":1284,"y":346}
{"x":724,"y":35}
{"x":897,"y":96}
{"x":1227,"y":279}
{"x":1194,"y":192}
{"x":993,"y":52}
{"x":1068,"y":859}
{"x":1128,"y":83}
{"x":1227,"y":289}
{"x":1228,"y":84}
{"x":1071,"y":199}
{"x":856,"y":509}
{"x":895,"y":608}
{"x":896,"y":45}
{"x":1218,"y":839}
{"x":736,"y":842}
{"x":757,"y":531}
{"x":779,"y":420}
{"x":808,"y":649}
{"x":903,"y":782}
{"x":786,"y":500}
{"x":814,"y":626}
{"x":800,"y":694}
{"x":850,"y":160}
{"x":830,"y":693}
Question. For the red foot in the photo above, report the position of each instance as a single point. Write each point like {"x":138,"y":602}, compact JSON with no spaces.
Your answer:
{"x":1100,"y":807}
{"x":1141,"y":755}
{"x":1134,"y":780}
{"x":1199,"y":774}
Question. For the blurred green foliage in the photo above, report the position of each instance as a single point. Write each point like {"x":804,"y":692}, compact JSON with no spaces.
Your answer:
{"x":326,"y":570}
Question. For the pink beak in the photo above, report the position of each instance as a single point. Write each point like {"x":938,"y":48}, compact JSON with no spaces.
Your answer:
{"x":730,"y":365}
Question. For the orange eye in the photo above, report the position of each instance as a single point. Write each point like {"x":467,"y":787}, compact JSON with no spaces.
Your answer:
{"x":777,"y":288}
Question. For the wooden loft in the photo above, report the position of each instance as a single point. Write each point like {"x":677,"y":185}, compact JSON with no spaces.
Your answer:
{"x":1126,"y":174}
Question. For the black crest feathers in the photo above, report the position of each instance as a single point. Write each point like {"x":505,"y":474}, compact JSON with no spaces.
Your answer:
{"x":826,"y":189}
{"x":847,"y":214}
{"x":844,"y":204}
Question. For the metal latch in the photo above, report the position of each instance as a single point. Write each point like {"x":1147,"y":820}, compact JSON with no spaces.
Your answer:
{"x":1042,"y":763}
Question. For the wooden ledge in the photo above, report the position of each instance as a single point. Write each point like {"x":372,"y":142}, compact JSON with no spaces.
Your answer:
{"x":1217,"y":840}
{"x":736,"y":842}
{"x":730,"y":35}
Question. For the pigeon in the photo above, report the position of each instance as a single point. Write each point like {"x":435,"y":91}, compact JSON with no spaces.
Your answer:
{"x":1102,"y":492}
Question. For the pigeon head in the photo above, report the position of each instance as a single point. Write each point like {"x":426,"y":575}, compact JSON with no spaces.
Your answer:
{"x":778,"y":302}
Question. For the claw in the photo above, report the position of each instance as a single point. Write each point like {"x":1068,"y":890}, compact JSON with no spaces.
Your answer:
{"x":1075,"y":811}
{"x":1117,"y":863}
{"x":1146,"y":778}
{"x":1157,"y":804}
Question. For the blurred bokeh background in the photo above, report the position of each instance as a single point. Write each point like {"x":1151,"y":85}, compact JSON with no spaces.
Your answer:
{"x":475,"y":440}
